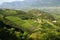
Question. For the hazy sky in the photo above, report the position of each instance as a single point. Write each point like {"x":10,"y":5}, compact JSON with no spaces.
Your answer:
{"x":1,"y":1}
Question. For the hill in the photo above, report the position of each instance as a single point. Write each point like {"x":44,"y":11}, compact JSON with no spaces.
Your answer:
{"x":31,"y":25}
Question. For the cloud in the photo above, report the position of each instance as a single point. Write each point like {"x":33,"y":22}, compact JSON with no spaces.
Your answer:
{"x":1,"y":1}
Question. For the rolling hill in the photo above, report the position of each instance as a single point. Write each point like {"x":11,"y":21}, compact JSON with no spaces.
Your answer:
{"x":17,"y":24}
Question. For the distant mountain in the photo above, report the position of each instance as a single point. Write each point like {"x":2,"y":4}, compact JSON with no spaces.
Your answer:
{"x":29,"y":4}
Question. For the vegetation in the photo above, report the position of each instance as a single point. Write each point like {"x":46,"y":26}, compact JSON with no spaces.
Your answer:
{"x":31,"y":25}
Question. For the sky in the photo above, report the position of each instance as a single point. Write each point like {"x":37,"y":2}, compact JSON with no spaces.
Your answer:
{"x":1,"y":1}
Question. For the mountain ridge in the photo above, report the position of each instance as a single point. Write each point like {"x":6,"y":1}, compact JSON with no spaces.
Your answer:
{"x":27,"y":3}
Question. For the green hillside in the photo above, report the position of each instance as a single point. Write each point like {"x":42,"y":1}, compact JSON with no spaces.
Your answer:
{"x":31,"y":25}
